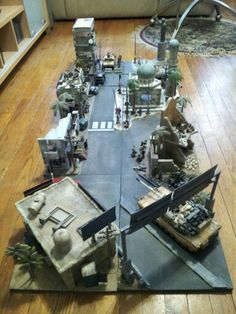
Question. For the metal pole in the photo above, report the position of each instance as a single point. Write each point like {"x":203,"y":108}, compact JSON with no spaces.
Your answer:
{"x":123,"y":244}
{"x":108,"y":245}
{"x":177,"y":13}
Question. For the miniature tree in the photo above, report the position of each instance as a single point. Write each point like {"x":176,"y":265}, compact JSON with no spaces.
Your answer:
{"x":61,"y":104}
{"x":27,"y":256}
{"x":182,"y":102}
{"x":66,"y":97}
{"x":80,"y":63}
{"x":133,"y":85}
{"x":59,"y":107}
{"x":174,"y":78}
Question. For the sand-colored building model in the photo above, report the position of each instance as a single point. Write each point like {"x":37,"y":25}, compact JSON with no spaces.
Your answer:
{"x":56,"y":226}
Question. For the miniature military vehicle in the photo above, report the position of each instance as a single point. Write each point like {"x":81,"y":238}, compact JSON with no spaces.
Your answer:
{"x":99,"y":78}
{"x":109,"y":61}
{"x":93,"y":90}
{"x":189,"y":218}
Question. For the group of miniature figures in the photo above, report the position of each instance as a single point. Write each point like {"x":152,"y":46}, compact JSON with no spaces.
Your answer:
{"x":142,"y":150}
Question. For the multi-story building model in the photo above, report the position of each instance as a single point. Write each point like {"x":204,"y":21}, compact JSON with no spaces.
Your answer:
{"x":62,"y":227}
{"x":85,"y":44}
{"x":58,"y":147}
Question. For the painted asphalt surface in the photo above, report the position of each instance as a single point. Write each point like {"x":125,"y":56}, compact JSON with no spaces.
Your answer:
{"x":109,"y":177}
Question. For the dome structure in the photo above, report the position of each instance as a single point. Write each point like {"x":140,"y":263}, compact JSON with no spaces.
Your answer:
{"x":146,"y":71}
{"x":174,"y":43}
{"x":62,"y":241}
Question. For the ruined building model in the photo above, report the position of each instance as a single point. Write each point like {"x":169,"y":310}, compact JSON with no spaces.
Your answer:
{"x":62,"y":146}
{"x":170,"y":144}
{"x":85,"y":44}
{"x":72,"y":82}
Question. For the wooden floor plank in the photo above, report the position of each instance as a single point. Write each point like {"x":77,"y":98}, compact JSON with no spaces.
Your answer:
{"x":207,"y":158}
{"x":222,"y":304}
{"x":199,"y":304}
{"x":130,"y":303}
{"x":150,"y":302}
{"x":177,"y":304}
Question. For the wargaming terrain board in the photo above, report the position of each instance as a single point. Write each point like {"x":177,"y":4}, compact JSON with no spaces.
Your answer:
{"x":108,"y":176}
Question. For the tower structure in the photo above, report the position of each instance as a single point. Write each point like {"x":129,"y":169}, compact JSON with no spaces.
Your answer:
{"x":174,"y":74}
{"x":85,"y":44}
{"x":173,"y":57}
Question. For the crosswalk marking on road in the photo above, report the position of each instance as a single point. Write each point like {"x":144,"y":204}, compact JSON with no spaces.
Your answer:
{"x":102,"y":126}
{"x":95,"y":125}
{"x":109,"y":124}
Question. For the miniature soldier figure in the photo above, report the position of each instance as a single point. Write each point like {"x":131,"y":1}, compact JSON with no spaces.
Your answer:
{"x":141,"y":148}
{"x":126,"y":124}
{"x":119,"y":61}
{"x":160,"y":176}
{"x":134,"y":152}
{"x":98,"y":63}
{"x":127,"y":109}
{"x":118,"y":112}
{"x":142,"y":151}
{"x":86,"y":144}
{"x":119,"y":89}
{"x":139,"y":158}
{"x":143,"y":144}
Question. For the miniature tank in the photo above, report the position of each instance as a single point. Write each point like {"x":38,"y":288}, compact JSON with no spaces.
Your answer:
{"x":109,"y":61}
{"x":190,"y":218}
{"x":190,"y":224}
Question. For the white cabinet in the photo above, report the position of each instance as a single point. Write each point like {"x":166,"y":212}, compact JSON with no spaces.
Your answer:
{"x":22,"y":22}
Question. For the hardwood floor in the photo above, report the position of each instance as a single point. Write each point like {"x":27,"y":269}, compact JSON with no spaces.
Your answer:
{"x":25,"y":114}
